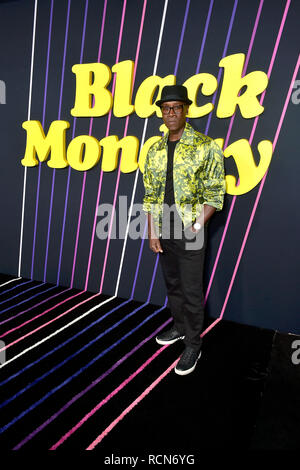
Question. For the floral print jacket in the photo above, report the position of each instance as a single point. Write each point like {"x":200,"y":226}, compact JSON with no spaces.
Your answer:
{"x":198,"y":176}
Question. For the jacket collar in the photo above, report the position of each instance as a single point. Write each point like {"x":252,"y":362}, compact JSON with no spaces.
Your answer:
{"x":187,"y":137}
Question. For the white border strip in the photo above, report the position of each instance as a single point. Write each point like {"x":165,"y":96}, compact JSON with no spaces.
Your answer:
{"x":12,"y":280}
{"x":28,"y":118}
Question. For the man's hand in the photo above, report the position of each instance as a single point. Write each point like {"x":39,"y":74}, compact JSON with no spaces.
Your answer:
{"x":155,"y":245}
{"x":154,"y":242}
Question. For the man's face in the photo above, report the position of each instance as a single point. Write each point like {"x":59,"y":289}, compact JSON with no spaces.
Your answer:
{"x":174,"y":120}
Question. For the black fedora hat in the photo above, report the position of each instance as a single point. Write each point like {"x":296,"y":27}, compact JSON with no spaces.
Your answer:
{"x":174,"y":93}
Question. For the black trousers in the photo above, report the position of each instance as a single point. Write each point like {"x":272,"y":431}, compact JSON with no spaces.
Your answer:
{"x":183,"y":274}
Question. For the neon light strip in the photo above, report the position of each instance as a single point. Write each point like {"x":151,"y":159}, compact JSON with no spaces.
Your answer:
{"x":153,"y":277}
{"x":79,"y":371}
{"x":28,"y":118}
{"x":90,"y":131}
{"x":17,"y":295}
{"x":225,"y":145}
{"x":157,"y":257}
{"x":204,"y":36}
{"x":260,"y":190}
{"x":24,"y":311}
{"x":137,"y":171}
{"x":83,"y":392}
{"x":53,"y":334}
{"x":82,"y":316}
{"x":43,"y":124}
{"x":24,"y":301}
{"x":109,"y":396}
{"x":48,"y":53}
{"x":44,"y":108}
{"x":250,"y":141}
{"x":69,"y":169}
{"x":15,"y":287}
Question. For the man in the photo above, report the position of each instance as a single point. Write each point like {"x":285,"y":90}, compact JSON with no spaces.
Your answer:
{"x":184,"y":171}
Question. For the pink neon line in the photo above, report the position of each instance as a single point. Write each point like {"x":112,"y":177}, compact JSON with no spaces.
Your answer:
{"x":246,"y":63}
{"x":107,"y":398}
{"x":128,"y":409}
{"x":107,"y":131}
{"x":31,"y":308}
{"x":54,"y":319}
{"x":125,"y":133}
{"x":78,"y":229}
{"x":84,"y":176}
{"x":272,"y":61}
{"x":260,"y":188}
{"x":250,"y":141}
{"x":131,"y":406}
{"x":102,"y":31}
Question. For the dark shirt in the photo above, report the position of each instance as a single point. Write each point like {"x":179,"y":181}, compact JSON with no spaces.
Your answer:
{"x":169,"y":189}
{"x":171,"y":220}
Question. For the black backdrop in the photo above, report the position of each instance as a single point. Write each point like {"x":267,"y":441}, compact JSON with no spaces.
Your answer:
{"x":264,"y":292}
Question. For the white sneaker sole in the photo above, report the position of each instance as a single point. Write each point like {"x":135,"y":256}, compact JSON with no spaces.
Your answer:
{"x":188,"y":371}
{"x":171,"y":341}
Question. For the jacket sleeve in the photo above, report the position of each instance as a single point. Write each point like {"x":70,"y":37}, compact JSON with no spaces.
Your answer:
{"x":213,"y":176}
{"x":149,"y":197}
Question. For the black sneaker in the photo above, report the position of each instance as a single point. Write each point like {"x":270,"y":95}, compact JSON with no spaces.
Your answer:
{"x":188,"y":361}
{"x":169,"y":337}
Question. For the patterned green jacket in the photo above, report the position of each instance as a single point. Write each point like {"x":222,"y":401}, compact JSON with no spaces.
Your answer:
{"x":198,"y":176}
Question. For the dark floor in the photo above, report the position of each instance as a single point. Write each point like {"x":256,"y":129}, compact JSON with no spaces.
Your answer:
{"x":243,"y":394}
